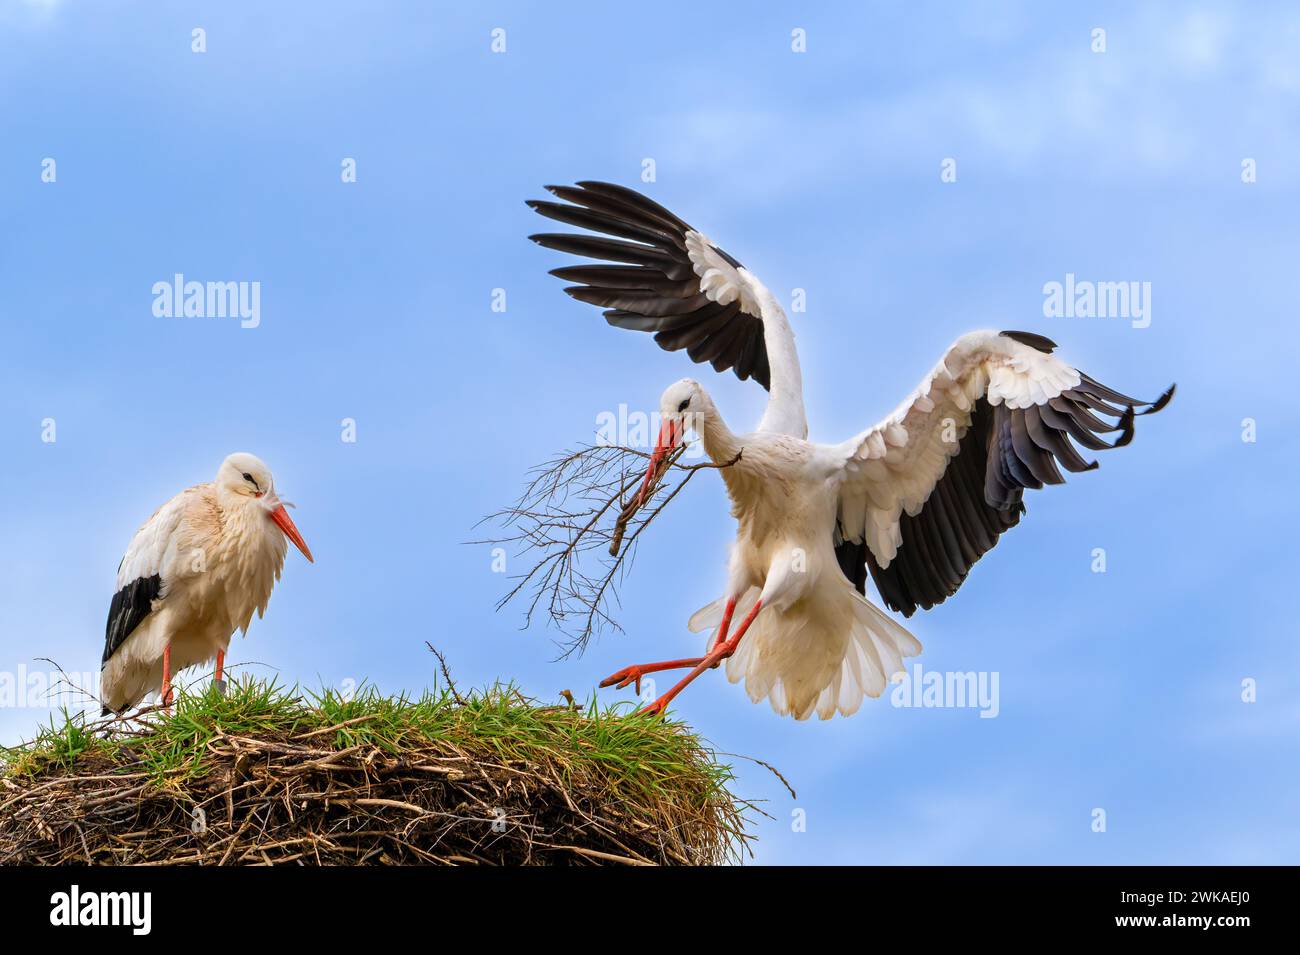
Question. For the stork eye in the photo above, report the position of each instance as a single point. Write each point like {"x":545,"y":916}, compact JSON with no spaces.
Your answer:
{"x":682,"y":407}
{"x":249,"y":478}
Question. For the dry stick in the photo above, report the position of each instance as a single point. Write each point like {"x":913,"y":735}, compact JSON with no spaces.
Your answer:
{"x":27,"y":794}
{"x":596,"y":479}
{"x":604,"y":584}
{"x":573,"y":543}
{"x":115,"y":797}
{"x":768,"y":766}
{"x":234,"y":839}
{"x":607,"y":856}
{"x":391,"y":803}
{"x":618,"y":562}
{"x":446,"y":674}
{"x":64,"y":677}
{"x":634,"y":503}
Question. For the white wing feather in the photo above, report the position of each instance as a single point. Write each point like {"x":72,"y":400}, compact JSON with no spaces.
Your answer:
{"x":893,"y":466}
{"x":724,"y":283}
{"x":155,"y":547}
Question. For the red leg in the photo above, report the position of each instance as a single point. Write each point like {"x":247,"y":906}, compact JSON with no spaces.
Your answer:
{"x":218,"y":679}
{"x":167,"y":675}
{"x":634,"y":673}
{"x":726,"y":623}
{"x":716,"y":656}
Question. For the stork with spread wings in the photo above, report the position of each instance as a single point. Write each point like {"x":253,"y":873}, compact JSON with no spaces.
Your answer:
{"x":913,"y":501}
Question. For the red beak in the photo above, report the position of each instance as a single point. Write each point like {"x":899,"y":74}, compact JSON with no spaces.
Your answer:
{"x":282,"y":518}
{"x":670,"y":434}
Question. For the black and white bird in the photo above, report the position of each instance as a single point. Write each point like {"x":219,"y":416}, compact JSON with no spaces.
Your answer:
{"x":193,"y":575}
{"x":913,"y":501}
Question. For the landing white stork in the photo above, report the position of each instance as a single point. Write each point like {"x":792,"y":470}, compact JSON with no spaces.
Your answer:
{"x":192,"y":576}
{"x":915,"y":500}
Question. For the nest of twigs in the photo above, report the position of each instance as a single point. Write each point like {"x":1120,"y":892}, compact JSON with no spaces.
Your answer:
{"x":265,"y":776}
{"x":575,"y":530}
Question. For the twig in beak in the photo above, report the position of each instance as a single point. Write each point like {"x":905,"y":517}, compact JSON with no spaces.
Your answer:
{"x":658,"y":468}
{"x":563,"y":514}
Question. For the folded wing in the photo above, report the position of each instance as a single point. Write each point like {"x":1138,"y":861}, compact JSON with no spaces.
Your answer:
{"x":144,"y":571}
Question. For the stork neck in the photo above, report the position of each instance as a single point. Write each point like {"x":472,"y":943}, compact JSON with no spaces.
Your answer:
{"x":247,"y":529}
{"x":242,"y":512}
{"x":785,"y":412}
{"x":720,"y":443}
{"x":232,"y":501}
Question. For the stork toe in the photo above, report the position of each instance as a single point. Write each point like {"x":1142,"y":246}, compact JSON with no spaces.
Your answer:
{"x":623,"y":677}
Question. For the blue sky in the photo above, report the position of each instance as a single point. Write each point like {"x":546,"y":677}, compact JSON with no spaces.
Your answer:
{"x":819,"y":170}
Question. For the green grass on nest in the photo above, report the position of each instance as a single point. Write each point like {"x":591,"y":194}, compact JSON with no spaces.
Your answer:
{"x":268,"y":774}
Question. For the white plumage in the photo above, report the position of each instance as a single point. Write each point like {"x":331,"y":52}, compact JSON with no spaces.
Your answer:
{"x":914,"y":500}
{"x":893,"y":466}
{"x":193,"y":574}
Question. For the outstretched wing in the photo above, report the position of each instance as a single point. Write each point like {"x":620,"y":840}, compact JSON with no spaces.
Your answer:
{"x":669,"y":278}
{"x":144,"y":571}
{"x":927,"y":492}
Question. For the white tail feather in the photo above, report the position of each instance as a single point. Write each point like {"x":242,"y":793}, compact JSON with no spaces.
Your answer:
{"x":708,"y":617}
{"x":803,"y":663}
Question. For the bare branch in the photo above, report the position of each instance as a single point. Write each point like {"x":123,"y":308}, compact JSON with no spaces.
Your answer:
{"x":446,"y":673}
{"x":577,"y":523}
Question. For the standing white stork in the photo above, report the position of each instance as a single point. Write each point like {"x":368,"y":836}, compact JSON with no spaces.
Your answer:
{"x":192,"y":576}
{"x":915,"y":500}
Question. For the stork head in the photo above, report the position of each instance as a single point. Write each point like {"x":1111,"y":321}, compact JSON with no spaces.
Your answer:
{"x":245,"y":480}
{"x":680,"y":403}
{"x":680,"y":410}
{"x":679,"y":407}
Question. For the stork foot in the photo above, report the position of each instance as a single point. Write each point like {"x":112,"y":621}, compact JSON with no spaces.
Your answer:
{"x":634,"y":673}
{"x":715,"y":657}
{"x":220,"y":687}
{"x":623,"y":677}
{"x":657,"y":708}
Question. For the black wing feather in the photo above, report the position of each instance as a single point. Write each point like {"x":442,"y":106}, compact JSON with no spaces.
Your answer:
{"x":130,"y":605}
{"x":978,"y":498}
{"x":655,"y":288}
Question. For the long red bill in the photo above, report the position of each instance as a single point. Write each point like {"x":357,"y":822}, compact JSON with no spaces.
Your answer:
{"x":286,"y":524}
{"x":669,"y":435}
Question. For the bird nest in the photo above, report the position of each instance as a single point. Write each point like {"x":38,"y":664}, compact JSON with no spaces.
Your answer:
{"x":267,"y":776}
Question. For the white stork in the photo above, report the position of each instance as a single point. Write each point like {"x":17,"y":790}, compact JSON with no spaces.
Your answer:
{"x":192,"y":576}
{"x":914,"y":501}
